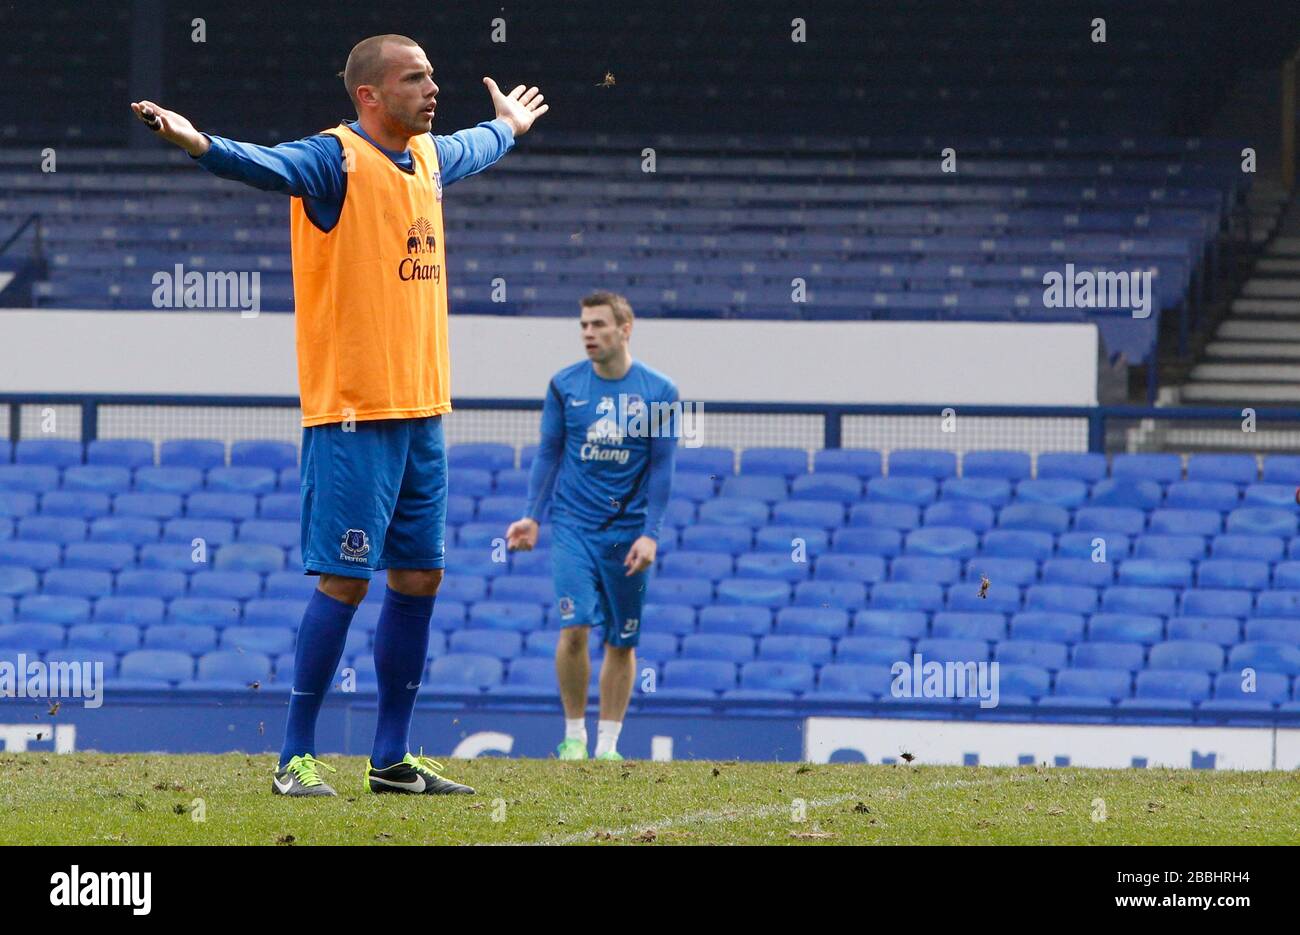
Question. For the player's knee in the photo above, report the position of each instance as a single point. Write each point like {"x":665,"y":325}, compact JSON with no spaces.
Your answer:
{"x":573,"y":641}
{"x":619,"y":653}
{"x":347,"y":590}
{"x":422,"y":582}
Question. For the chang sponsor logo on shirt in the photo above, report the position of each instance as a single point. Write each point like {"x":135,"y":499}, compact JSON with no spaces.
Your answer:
{"x":632,"y":417}
{"x":420,"y":239}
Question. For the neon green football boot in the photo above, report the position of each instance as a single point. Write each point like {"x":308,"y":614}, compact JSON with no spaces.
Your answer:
{"x":610,"y":755}
{"x":571,"y":749}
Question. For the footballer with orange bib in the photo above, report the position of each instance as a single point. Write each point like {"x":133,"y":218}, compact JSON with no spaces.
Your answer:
{"x":370,"y":293}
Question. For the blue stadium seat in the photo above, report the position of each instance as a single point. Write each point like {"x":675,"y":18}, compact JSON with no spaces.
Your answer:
{"x":922,"y":462}
{"x":826,"y":622}
{"x":1233,"y":469}
{"x":32,"y":637}
{"x":1139,"y":494}
{"x":1157,"y":546}
{"x":694,"y":487}
{"x":151,"y":583}
{"x":1056,"y":626}
{"x":1126,"y":599}
{"x":29,"y":554}
{"x":1232,"y":573}
{"x":1070,"y":599}
{"x":99,"y":556}
{"x":136,"y":611}
{"x":1248,"y":548}
{"x":1029,"y":680}
{"x":755,"y":487}
{"x":506,"y":615}
{"x":1043,"y":654}
{"x":1186,"y":522}
{"x":48,"y":452}
{"x":1177,"y":685}
{"x":168,"y":480}
{"x":1202,"y":495}
{"x":471,"y":482}
{"x":867,"y":540}
{"x":1271,"y":495}
{"x":227,"y":666}
{"x":925,"y":569}
{"x":1156,"y":467}
{"x":16,"y":503}
{"x":814,"y":650}
{"x":959,"y":513}
{"x":457,"y":588}
{"x":1089,"y":467}
{"x":240,"y":585}
{"x":1265,"y":656}
{"x":859,"y":462}
{"x":242,"y":480}
{"x":847,"y":567}
{"x":281,"y":506}
{"x":754,"y":592}
{"x":838,"y":488}
{"x":1275,"y":629}
{"x":192,"y":452}
{"x":485,"y":456}
{"x":1126,"y":628}
{"x":1062,"y":492}
{"x":1100,"y":654}
{"x":1018,"y":543}
{"x":194,"y":639}
{"x":1156,"y":572}
{"x":102,"y":479}
{"x":1040,"y":517}
{"x":699,"y":673}
{"x":536,"y":589}
{"x":794,"y":677}
{"x":774,"y":565}
{"x":1125,"y":520}
{"x":1012,"y":572}
{"x":735,"y":620}
{"x":538,"y":561}
{"x":734,"y":511}
{"x":263,"y":454}
{"x":207,"y":611}
{"x":231,"y":506}
{"x":1262,"y":521}
{"x":1281,"y":469}
{"x":968,"y":626}
{"x":847,"y":680}
{"x":464,"y":672}
{"x":1268,"y":686}
{"x":501,"y":644}
{"x":810,"y":542}
{"x":280,"y":533}
{"x":1077,"y":571}
{"x":73,"y":504}
{"x":915,"y":491}
{"x":1225,"y":631}
{"x":693,"y":592}
{"x":719,"y":462}
{"x":1095,"y":683}
{"x":1277,"y":603}
{"x":718,"y":647}
{"x":501,"y":510}
{"x":657,"y":647}
{"x":692,"y":564}
{"x":60,"y":529}
{"x":169,"y":557}
{"x":780,"y":462}
{"x":1186,"y":654}
{"x":532,"y":673}
{"x":890,"y":515}
{"x":46,"y":608}
{"x":1216,"y":603}
{"x":28,"y":478}
{"x":946,"y":541}
{"x":906,"y":624}
{"x":256,"y":557}
{"x":80,"y":582}
{"x":950,"y":650}
{"x":271,"y":640}
{"x":897,"y":595}
{"x":680,"y":513}
{"x":120,"y":452}
{"x":815,"y":514}
{"x":988,"y":491}
{"x":1286,"y":575}
{"x":159,"y":664}
{"x":1005,"y":465}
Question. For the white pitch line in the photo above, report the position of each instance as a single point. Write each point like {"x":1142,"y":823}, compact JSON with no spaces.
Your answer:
{"x":729,"y":815}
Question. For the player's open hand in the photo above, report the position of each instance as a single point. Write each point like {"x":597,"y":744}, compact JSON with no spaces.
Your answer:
{"x":172,"y":127}
{"x":641,"y":556}
{"x":522,"y":535}
{"x":519,"y":108}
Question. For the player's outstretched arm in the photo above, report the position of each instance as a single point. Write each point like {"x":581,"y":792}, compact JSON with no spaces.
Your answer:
{"x":172,"y":127}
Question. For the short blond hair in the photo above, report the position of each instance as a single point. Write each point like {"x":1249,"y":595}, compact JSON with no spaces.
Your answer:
{"x":619,"y":305}
{"x":365,"y":63}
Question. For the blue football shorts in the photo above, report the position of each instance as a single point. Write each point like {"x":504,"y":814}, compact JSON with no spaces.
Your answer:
{"x":375,"y":497}
{"x":592,"y":588}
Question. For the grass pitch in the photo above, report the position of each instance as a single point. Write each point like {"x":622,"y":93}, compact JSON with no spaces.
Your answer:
{"x":88,"y":798}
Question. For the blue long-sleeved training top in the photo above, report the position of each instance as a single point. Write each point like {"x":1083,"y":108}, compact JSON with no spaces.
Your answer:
{"x":602,"y":458}
{"x":312,"y":168}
